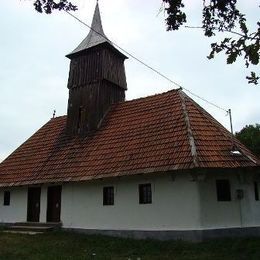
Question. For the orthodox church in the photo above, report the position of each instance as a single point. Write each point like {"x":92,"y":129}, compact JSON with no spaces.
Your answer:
{"x":155,"y":167}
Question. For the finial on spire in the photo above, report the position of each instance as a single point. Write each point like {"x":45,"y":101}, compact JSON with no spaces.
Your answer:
{"x":54,"y":113}
{"x":95,"y":36}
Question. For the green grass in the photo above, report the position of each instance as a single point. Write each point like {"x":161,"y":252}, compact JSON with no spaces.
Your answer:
{"x":68,"y":245}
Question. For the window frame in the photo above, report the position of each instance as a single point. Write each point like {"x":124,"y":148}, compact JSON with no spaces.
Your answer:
{"x":256,"y":190}
{"x":145,"y":193}
{"x":7,"y":198}
{"x":108,"y":196}
{"x":223,"y":190}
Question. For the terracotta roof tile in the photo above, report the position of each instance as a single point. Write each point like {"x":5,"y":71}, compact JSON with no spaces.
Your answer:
{"x":152,"y":134}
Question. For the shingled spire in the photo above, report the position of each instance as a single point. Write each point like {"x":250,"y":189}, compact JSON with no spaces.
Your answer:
{"x":95,"y":36}
{"x":96,"y":80}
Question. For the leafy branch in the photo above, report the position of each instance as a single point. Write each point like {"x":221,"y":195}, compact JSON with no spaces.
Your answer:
{"x":47,"y":6}
{"x":222,"y":16}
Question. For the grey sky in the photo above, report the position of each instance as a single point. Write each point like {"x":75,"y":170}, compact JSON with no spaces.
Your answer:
{"x":34,"y":70}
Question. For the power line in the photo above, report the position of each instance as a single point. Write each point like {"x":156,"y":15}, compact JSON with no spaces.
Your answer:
{"x":146,"y":65}
{"x":215,"y":29}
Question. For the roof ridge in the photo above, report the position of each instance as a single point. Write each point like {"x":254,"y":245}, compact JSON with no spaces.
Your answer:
{"x":150,"y":96}
{"x":137,"y":99}
{"x":57,"y":117}
{"x":189,"y":130}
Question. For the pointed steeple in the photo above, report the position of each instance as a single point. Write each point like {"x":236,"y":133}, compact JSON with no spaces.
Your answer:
{"x":96,"y":80}
{"x":95,"y":36}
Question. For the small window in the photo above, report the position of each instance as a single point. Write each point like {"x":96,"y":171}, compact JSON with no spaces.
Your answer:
{"x":223,"y":190}
{"x":6,"y":198}
{"x":108,"y":195}
{"x":79,"y":119}
{"x":256,"y":190}
{"x":145,"y":193}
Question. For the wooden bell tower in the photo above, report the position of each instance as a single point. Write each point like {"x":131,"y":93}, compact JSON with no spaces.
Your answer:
{"x":96,"y":80}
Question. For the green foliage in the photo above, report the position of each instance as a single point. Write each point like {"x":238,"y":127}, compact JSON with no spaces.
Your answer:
{"x":47,"y":6}
{"x":219,"y":14}
{"x":253,"y":78}
{"x":176,"y":17}
{"x":68,"y":245}
{"x":222,"y":16}
{"x":250,"y":137}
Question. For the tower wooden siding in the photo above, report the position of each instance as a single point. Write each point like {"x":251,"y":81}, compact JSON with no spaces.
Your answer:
{"x":96,"y":81}
{"x":100,"y":62}
{"x":93,"y":102}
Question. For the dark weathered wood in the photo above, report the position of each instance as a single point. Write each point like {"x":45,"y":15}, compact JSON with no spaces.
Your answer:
{"x":96,"y":80}
{"x":33,"y":204}
{"x":53,"y":203}
{"x":97,"y":64}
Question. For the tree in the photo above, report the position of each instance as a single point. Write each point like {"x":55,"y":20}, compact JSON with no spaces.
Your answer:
{"x":250,"y":137}
{"x":222,"y":16}
{"x":217,"y":16}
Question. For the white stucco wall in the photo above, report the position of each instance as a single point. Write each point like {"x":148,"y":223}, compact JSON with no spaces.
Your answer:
{"x":43,"y":204}
{"x":179,"y":204}
{"x":243,"y":212}
{"x":250,"y":208}
{"x":17,"y":210}
{"x":175,"y":205}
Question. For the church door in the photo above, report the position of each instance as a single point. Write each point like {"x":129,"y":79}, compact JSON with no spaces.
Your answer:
{"x":53,"y":203}
{"x":33,"y":206}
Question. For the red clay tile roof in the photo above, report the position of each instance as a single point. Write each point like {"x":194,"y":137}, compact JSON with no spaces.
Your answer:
{"x":159,"y":133}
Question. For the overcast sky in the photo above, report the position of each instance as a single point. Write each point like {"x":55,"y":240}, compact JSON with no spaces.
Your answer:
{"x":34,"y":69}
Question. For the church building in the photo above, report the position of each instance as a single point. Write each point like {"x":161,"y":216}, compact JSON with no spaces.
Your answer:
{"x":155,"y":167}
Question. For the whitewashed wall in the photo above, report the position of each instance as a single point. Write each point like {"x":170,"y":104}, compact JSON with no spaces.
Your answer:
{"x":181,"y":204}
{"x":17,"y":210}
{"x":234,"y":213}
{"x":175,"y":205}
{"x":43,"y":204}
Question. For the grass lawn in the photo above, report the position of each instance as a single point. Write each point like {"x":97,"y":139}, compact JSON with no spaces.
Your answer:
{"x":67,"y":245}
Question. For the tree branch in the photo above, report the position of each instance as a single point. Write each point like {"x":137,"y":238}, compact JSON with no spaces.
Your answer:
{"x":229,"y":31}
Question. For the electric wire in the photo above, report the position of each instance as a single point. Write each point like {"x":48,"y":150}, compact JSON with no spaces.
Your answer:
{"x":148,"y":66}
